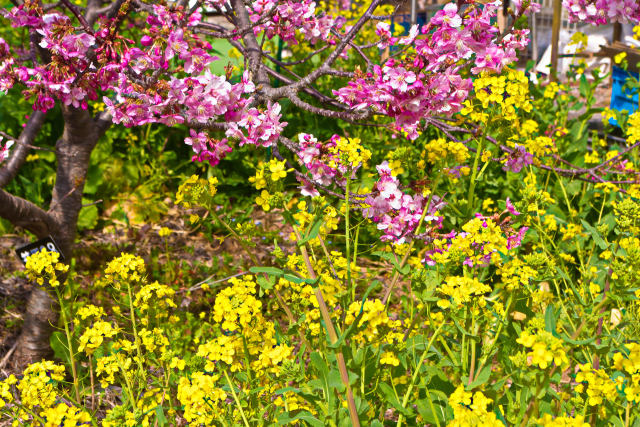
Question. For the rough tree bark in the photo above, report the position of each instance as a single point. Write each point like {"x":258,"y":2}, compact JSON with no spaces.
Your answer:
{"x":73,"y":151}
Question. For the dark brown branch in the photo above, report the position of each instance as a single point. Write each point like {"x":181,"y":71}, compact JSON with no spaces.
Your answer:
{"x":300,"y":61}
{"x":23,"y":213}
{"x":21,"y":148}
{"x":325,"y":68}
{"x":74,"y":10}
{"x":254,"y":53}
{"x":348,"y":116}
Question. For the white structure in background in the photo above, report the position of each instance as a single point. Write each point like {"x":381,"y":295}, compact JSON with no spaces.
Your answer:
{"x":598,"y":36}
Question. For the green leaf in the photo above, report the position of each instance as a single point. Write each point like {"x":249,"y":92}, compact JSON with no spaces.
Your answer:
{"x":286,"y":390}
{"x":297,"y":280}
{"x":550,"y":320}
{"x":584,"y":86}
{"x":286,"y":419}
{"x":335,"y":380}
{"x":272,"y":271}
{"x":319,"y":363}
{"x":595,"y":235}
{"x":424,"y":409}
{"x":313,"y":231}
{"x":566,"y":338}
{"x":391,"y":398}
{"x":265,"y":283}
{"x":162,"y":420}
{"x":88,"y":217}
{"x":392,"y":259}
{"x":483,"y":377}
{"x":59,"y":346}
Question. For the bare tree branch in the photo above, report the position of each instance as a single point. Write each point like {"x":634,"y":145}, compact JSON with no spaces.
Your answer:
{"x":21,"y":149}
{"x":23,"y":213}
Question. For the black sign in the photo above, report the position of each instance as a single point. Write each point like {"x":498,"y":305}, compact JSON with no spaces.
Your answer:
{"x":41,"y":245}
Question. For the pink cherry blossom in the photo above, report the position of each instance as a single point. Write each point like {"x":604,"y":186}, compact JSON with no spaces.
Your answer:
{"x":4,"y":150}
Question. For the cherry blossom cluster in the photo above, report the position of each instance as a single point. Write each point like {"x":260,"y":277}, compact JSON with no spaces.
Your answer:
{"x":207,"y":149}
{"x":396,"y":213}
{"x":429,"y":82}
{"x":4,"y":150}
{"x":518,"y":159}
{"x":263,"y":126}
{"x":601,"y":12}
{"x":163,"y":79}
{"x":67,"y":77}
{"x":288,"y":17}
{"x":330,"y":162}
{"x":195,"y":99}
{"x":6,"y":66}
{"x":313,"y":155}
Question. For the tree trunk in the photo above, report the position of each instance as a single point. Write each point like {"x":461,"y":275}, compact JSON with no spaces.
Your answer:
{"x":73,"y":153}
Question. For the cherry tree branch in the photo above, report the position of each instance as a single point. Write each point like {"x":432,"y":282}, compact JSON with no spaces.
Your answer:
{"x":25,"y":214}
{"x":21,"y":149}
{"x":325,"y":68}
{"x":254,"y":53}
{"x":74,"y":10}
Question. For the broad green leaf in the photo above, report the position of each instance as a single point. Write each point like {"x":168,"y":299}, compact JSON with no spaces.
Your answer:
{"x":272,"y":271}
{"x":483,"y":377}
{"x":286,"y":419}
{"x":595,"y":235}
{"x":391,"y":398}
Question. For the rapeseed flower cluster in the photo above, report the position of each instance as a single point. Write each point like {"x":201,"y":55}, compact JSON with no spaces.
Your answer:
{"x":629,"y":364}
{"x":348,"y":153}
{"x":203,"y":400}
{"x":44,"y":267}
{"x":94,"y":336}
{"x":155,"y":296}
{"x":515,"y":273}
{"x":304,"y":217}
{"x":125,"y":268}
{"x":471,"y":409}
{"x":441,"y":149}
{"x":545,"y":349}
{"x":65,"y":415}
{"x":39,"y":396}
{"x":268,"y":175}
{"x":108,"y":366}
{"x":600,"y":387}
{"x":374,"y":324}
{"x":245,"y":335}
{"x":197,"y":191}
{"x":547,"y":420}
{"x":633,"y":128}
{"x":509,"y":92}
{"x":462,"y":291}
{"x":480,"y":243}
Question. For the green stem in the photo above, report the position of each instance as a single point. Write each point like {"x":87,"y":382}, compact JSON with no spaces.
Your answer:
{"x":405,"y":400}
{"x":235,"y":397}
{"x":348,"y":240}
{"x":333,"y":336}
{"x":126,"y":380}
{"x":255,"y":262}
{"x":236,"y":236}
{"x":72,"y":360}
{"x":507,"y":308}
{"x":396,"y":276}
{"x":474,"y":174}
{"x":433,"y":409}
{"x":136,"y":338}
